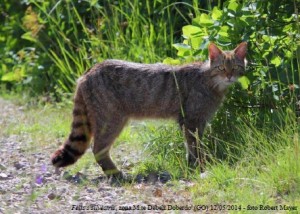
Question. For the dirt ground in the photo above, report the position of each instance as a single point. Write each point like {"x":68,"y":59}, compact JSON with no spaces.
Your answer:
{"x":29,"y":184}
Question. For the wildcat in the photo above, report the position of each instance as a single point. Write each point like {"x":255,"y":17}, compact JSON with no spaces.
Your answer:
{"x":112,"y":92}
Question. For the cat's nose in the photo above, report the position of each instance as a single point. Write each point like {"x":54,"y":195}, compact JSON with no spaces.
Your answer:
{"x":228,"y":76}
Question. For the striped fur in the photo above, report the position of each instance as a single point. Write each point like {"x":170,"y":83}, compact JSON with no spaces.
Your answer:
{"x":79,"y":138}
{"x":112,"y":92}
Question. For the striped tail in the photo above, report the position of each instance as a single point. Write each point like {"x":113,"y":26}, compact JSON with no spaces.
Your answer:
{"x":79,"y":139}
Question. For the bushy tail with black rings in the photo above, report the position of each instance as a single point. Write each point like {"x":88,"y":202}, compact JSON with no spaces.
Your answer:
{"x":79,"y":138}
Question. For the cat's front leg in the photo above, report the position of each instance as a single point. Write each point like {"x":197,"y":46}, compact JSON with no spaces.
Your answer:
{"x":193,"y":130}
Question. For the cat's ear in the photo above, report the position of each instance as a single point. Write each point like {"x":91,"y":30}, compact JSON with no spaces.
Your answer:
{"x":214,"y":51}
{"x":241,"y":50}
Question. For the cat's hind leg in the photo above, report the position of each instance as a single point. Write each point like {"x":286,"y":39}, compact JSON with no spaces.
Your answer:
{"x":104,"y":137}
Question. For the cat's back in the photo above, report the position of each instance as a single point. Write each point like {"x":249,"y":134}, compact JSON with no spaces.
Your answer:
{"x":113,"y":72}
{"x":138,"y":89}
{"x":112,"y":65}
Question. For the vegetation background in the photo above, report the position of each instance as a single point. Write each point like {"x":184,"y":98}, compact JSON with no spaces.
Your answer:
{"x":46,"y":45}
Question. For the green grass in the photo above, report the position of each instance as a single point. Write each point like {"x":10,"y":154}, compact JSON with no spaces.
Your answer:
{"x":265,"y":171}
{"x":40,"y":128}
{"x":123,"y":29}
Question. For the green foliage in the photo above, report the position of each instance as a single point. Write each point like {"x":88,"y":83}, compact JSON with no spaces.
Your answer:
{"x":48,"y":44}
{"x":271,"y":29}
{"x":161,"y":143}
{"x":266,"y":170}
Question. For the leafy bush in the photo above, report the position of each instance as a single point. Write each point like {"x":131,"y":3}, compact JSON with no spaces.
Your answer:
{"x":272,"y":82}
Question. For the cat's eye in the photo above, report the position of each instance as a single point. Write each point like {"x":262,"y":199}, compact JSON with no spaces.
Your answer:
{"x":221,"y":67}
{"x":235,"y":67}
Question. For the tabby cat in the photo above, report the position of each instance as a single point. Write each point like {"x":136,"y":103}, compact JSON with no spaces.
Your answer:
{"x":112,"y":92}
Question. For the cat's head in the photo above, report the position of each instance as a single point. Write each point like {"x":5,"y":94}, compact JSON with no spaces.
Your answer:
{"x":227,"y":66}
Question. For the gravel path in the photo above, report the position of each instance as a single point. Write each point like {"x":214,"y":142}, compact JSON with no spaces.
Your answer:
{"x":29,"y":184}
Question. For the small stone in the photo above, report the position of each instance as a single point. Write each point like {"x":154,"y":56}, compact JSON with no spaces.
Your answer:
{"x":2,"y":191}
{"x":40,"y":159}
{"x":48,"y":174}
{"x":204,"y":175}
{"x":103,"y":189}
{"x":18,"y":165}
{"x":2,"y":167}
{"x":62,"y":190}
{"x":3,"y":176}
{"x":90,"y":191}
{"x":21,"y":108}
{"x":140,"y":178}
{"x":52,"y":196}
{"x":26,"y":186}
{"x":152,"y":178}
{"x":99,"y":179}
{"x":48,"y":179}
{"x":120,"y":191}
{"x":164,"y":177}
{"x":85,"y":198}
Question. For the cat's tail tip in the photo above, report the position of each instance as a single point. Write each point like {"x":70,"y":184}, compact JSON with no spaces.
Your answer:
{"x":64,"y":157}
